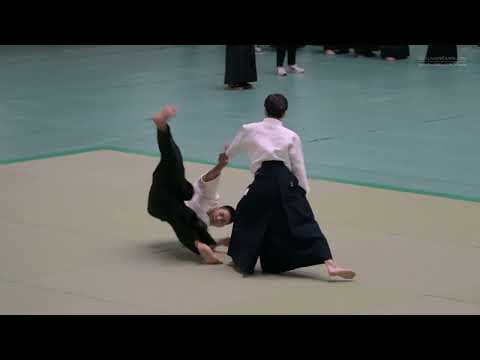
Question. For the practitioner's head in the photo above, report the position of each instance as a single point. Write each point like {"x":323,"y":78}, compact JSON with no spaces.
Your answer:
{"x":221,"y":216}
{"x":276,"y":106}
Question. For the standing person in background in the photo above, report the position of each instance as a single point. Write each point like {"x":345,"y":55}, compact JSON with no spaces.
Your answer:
{"x":394,"y":52}
{"x":336,"y":49}
{"x":441,"y":54}
{"x":240,"y":66}
{"x":291,"y":50}
{"x":365,"y":50}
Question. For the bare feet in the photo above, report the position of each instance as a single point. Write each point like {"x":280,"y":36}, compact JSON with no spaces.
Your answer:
{"x":334,"y":270}
{"x":161,"y":118}
{"x":330,"y":52}
{"x":390,"y":58}
{"x":343,"y":273}
{"x":207,"y":254}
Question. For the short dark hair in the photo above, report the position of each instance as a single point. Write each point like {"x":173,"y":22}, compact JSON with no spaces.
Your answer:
{"x":276,"y":105}
{"x":232,"y":212}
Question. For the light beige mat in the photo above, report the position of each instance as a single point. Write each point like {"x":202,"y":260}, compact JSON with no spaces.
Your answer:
{"x":76,"y":239}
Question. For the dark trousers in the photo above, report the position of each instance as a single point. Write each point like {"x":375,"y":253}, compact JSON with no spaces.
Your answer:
{"x":292,"y":54}
{"x":240,"y":64}
{"x":365,"y":50}
{"x":274,"y":222}
{"x":395,"y":51}
{"x":441,"y":54}
{"x":170,"y":172}
{"x":168,"y":192}
{"x":339,"y":49}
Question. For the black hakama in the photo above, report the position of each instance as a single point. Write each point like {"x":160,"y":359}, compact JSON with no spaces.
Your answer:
{"x":240,"y":64}
{"x":338,"y":49}
{"x":395,"y":51}
{"x":365,"y":50}
{"x":274,"y":222}
{"x":441,"y":54}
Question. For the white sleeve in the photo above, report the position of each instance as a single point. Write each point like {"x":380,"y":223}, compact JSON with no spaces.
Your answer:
{"x":206,"y":195}
{"x":209,"y":189}
{"x":298,"y":163}
{"x":238,"y":143}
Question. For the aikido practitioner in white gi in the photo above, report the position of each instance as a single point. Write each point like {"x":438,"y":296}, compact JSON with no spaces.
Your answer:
{"x":273,"y":220}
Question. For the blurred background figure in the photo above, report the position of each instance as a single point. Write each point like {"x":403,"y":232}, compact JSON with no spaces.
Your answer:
{"x":365,"y":50}
{"x":394,"y":52}
{"x":441,"y":54}
{"x":291,"y":51}
{"x":336,"y":49}
{"x":240,"y":67}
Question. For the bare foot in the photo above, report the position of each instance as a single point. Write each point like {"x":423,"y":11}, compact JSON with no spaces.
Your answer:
{"x":390,"y":58}
{"x":334,"y":270}
{"x":343,"y":273}
{"x":161,"y":118}
{"x":207,"y":254}
{"x":330,"y":52}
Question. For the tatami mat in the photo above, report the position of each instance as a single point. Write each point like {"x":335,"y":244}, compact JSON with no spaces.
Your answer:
{"x":76,"y":239}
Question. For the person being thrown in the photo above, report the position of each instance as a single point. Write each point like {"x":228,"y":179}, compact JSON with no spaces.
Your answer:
{"x":189,"y":209}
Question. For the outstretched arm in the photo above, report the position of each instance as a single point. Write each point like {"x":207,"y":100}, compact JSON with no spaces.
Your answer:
{"x":217,"y":169}
{"x":238,"y":143}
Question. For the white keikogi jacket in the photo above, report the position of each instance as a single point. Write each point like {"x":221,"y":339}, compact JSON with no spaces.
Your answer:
{"x":204,"y":198}
{"x":270,"y":140}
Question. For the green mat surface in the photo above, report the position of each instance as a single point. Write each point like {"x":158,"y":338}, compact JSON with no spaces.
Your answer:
{"x":399,"y":125}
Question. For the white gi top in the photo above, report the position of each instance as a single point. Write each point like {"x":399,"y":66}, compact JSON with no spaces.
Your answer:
{"x":270,"y":140}
{"x":204,"y":198}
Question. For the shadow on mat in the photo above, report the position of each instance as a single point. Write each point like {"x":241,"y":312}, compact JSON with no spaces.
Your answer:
{"x":296,"y":274}
{"x":173,"y":250}
{"x":299,"y":274}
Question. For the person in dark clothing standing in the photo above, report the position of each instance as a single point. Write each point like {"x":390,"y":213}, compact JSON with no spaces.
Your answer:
{"x":441,"y":54}
{"x":240,"y":66}
{"x":273,"y":220}
{"x":365,"y":50}
{"x":291,"y":51}
{"x":336,"y":49}
{"x":394,"y":52}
